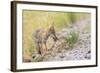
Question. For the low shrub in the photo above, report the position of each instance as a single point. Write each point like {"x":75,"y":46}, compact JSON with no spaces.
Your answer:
{"x":72,"y":38}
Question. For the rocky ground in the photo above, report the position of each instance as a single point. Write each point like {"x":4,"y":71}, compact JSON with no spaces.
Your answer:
{"x":62,"y":52}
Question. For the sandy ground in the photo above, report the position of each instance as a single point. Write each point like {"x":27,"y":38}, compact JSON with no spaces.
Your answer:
{"x":80,"y":51}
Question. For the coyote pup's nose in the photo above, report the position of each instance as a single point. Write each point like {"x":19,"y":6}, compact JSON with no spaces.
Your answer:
{"x":55,"y":39}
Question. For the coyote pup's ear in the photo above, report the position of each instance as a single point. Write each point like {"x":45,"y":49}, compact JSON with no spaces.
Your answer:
{"x":51,"y":28}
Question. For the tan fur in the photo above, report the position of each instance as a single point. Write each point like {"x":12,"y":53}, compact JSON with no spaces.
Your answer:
{"x":41,"y":37}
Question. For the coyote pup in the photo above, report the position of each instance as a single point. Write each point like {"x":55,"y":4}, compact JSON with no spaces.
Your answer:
{"x":41,"y":36}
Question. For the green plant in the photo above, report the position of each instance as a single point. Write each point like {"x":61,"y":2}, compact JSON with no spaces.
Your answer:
{"x":72,"y":38}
